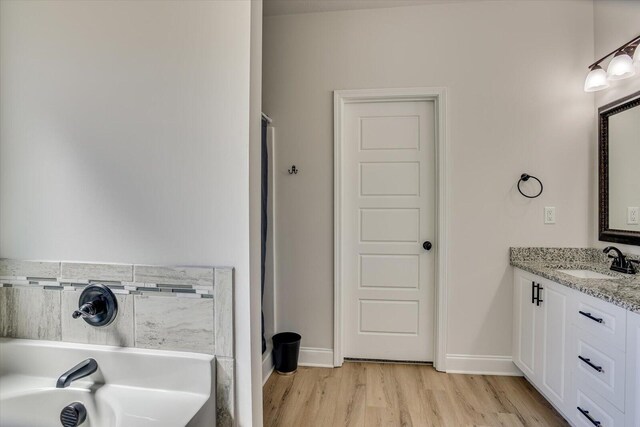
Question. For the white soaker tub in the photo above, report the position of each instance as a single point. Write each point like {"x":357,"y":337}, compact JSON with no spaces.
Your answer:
{"x":132,"y":387}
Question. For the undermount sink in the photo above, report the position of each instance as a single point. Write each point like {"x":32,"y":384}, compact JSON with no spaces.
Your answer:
{"x":586,"y":274}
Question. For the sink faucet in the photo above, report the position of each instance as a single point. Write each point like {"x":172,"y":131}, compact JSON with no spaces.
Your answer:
{"x":620,"y":263}
{"x":81,"y":370}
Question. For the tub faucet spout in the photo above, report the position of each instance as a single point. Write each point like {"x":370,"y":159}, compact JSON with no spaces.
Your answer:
{"x":81,"y":370}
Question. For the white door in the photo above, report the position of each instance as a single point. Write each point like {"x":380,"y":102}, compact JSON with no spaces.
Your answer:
{"x":388,"y":213}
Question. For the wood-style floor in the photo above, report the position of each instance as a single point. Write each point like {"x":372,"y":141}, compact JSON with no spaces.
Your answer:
{"x":375,"y":394}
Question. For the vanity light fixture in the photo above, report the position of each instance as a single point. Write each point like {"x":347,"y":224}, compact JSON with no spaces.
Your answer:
{"x":622,"y":66}
{"x":596,"y":79}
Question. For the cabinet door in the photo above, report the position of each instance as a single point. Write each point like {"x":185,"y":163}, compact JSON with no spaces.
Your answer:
{"x":633,"y":370}
{"x":524,"y":334}
{"x":552,"y":347}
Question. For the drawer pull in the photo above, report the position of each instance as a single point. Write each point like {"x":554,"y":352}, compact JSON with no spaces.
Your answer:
{"x":588,"y":362}
{"x":590,"y":316}
{"x":533,"y":292}
{"x":589,"y":417}
{"x":538,"y":300}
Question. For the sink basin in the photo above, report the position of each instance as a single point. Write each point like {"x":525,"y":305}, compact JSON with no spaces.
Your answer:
{"x":586,"y":274}
{"x":132,"y":387}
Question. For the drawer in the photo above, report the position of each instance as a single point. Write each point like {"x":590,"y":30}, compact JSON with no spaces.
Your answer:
{"x":591,"y":410}
{"x":601,"y":319}
{"x":599,"y":367}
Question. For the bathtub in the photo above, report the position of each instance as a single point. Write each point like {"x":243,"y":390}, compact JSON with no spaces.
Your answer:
{"x":131,"y":388}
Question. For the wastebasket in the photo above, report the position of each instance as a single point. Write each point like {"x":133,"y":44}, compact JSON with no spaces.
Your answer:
{"x":286,"y":347}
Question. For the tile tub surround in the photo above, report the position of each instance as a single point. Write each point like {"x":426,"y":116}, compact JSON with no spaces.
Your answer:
{"x":623,"y":290}
{"x":159,"y":307}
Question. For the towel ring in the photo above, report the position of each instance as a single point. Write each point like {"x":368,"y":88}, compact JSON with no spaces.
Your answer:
{"x":525,"y":177}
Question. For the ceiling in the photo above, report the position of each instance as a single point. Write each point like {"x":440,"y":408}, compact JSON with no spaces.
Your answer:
{"x":289,"y":7}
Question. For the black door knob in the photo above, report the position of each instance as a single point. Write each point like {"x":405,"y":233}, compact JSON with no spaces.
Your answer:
{"x":427,"y":245}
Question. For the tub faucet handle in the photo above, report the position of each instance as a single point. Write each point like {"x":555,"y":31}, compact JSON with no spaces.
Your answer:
{"x":86,"y":311}
{"x":98,"y":305}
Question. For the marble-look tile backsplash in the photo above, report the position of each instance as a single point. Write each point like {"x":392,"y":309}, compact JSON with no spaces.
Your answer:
{"x":174,"y":323}
{"x":120,"y":332}
{"x":30,"y":313}
{"x":159,"y":307}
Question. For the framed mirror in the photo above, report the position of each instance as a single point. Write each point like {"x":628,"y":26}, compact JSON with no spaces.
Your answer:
{"x":619,"y":178}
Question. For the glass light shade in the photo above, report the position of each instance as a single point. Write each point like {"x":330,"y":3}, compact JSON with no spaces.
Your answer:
{"x":596,"y":80}
{"x":620,"y":67}
{"x":636,"y":56}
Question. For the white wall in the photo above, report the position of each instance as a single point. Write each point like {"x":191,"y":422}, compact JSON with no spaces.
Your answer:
{"x":514,"y":70}
{"x":124,"y":137}
{"x":616,"y":22}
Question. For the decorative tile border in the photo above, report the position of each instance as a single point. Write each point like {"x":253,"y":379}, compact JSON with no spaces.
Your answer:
{"x":193,"y":277}
{"x":71,"y":271}
{"x":24,"y":269}
{"x":184,"y":282}
{"x":159,"y":307}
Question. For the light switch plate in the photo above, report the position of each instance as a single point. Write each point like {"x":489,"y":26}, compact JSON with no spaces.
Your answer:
{"x":633,"y":215}
{"x":549,"y":215}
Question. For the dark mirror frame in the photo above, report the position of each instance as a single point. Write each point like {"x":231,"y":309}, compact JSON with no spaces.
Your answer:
{"x":606,"y":234}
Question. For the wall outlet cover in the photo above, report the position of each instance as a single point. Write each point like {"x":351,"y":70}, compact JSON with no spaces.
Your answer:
{"x":549,"y":215}
{"x":633,"y":215}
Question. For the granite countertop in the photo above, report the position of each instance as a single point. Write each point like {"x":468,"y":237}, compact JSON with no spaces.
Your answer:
{"x":622,"y":290}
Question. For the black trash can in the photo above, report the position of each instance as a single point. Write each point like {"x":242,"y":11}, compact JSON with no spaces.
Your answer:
{"x":286,"y":347}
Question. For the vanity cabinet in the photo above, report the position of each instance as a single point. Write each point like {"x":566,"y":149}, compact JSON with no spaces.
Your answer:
{"x":580,"y":352}
{"x":540,"y":335}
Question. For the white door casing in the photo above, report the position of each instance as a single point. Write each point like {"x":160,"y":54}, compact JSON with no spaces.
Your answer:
{"x":390,"y":170}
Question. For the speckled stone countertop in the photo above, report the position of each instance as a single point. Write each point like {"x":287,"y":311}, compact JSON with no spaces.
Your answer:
{"x":623,"y":290}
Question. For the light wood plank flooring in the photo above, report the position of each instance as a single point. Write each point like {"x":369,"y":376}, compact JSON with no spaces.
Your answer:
{"x":375,"y":394}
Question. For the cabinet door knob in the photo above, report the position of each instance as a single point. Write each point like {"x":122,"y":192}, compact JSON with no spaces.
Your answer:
{"x":427,"y":245}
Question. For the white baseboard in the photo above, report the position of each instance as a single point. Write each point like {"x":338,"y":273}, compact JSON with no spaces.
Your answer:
{"x":319,"y":357}
{"x":481,"y":365}
{"x":267,"y":365}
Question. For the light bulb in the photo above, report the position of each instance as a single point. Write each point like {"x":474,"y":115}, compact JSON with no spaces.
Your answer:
{"x":620,"y":67}
{"x":596,"y":80}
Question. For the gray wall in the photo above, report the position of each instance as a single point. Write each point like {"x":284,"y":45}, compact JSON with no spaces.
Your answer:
{"x":514,"y":71}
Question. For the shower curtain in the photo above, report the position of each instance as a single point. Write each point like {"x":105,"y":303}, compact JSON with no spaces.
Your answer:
{"x":263,"y":220}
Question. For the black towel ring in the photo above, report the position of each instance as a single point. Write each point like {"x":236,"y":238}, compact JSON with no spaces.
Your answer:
{"x":525,"y":177}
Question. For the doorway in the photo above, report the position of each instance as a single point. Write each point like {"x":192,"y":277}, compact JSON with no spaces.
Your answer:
{"x":388,"y":219}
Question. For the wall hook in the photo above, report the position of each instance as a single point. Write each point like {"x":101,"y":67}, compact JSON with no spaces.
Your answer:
{"x":293,"y":170}
{"x":525,"y":177}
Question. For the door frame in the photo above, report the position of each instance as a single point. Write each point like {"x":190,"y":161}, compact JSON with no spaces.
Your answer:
{"x":438,"y":95}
